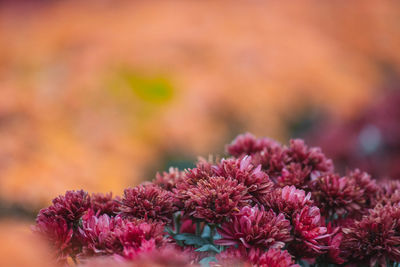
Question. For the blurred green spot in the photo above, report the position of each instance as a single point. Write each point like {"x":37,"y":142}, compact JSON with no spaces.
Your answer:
{"x":150,"y":89}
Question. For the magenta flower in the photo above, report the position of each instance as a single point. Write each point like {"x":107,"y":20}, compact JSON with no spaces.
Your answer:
{"x":148,"y":202}
{"x":337,"y":195}
{"x":57,"y":232}
{"x":58,"y":222}
{"x":263,"y":151}
{"x":302,"y":165}
{"x":215,"y":199}
{"x":105,"y":204}
{"x":106,"y":235}
{"x":168,"y":180}
{"x":254,"y":227}
{"x":308,"y":232}
{"x":275,"y":258}
{"x":288,"y":200}
{"x":375,"y":239}
{"x":256,"y":181}
{"x":71,"y":206}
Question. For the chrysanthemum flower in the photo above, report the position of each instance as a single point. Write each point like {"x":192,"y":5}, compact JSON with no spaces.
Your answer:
{"x":148,"y":202}
{"x":58,"y":234}
{"x":99,"y":235}
{"x":375,"y":239}
{"x":59,"y":222}
{"x":215,"y":199}
{"x":264,"y":151}
{"x":337,"y":195}
{"x":302,"y":164}
{"x":240,"y":257}
{"x":71,"y":206}
{"x":389,"y":192}
{"x":308,"y":231}
{"x":106,"y":235}
{"x":287,"y":200}
{"x":254,"y":227}
{"x":168,"y":180}
{"x":256,"y":181}
{"x":332,"y":241}
{"x":275,"y":258}
{"x":105,"y":204}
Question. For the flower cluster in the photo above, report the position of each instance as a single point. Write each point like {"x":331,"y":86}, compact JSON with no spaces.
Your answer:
{"x":265,"y":204}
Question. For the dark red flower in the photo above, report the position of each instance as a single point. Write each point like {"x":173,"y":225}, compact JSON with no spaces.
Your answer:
{"x":254,"y":257}
{"x":105,"y":204}
{"x":168,"y":180}
{"x":275,"y":258}
{"x":58,"y":234}
{"x":264,"y":151}
{"x":256,"y":181}
{"x":71,"y":206}
{"x":333,"y":241}
{"x":389,"y":192}
{"x":337,"y":195}
{"x":287,"y":200}
{"x":215,"y":199}
{"x":308,"y":232}
{"x":254,"y":227}
{"x":100,"y":236}
{"x":302,"y":164}
{"x":375,"y":239}
{"x":106,"y":235}
{"x":59,"y":222}
{"x":148,"y":202}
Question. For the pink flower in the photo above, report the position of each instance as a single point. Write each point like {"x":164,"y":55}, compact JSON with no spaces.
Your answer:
{"x":255,"y":227}
{"x":256,"y":181}
{"x":215,"y":199}
{"x":58,"y":234}
{"x":308,"y":231}
{"x":71,"y":206}
{"x":168,"y":180}
{"x":338,"y":195}
{"x":106,"y":235}
{"x":275,"y":258}
{"x":59,"y":222}
{"x":375,"y":239}
{"x":288,"y":200}
{"x":105,"y":204}
{"x":302,"y":164}
{"x":148,"y":202}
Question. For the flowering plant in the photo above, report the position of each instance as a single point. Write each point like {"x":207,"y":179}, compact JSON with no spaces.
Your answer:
{"x":265,"y":205}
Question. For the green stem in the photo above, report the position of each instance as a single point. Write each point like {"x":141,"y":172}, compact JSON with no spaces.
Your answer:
{"x":212,"y":232}
{"x":198,"y":228}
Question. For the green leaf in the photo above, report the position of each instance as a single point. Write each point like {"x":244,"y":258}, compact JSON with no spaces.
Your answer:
{"x":205,"y":262}
{"x":208,"y":247}
{"x":191,"y":239}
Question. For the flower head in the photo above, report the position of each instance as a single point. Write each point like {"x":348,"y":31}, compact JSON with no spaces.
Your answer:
{"x":256,"y":181}
{"x":168,"y":180}
{"x":308,"y":232}
{"x":71,"y":206}
{"x":104,"y":204}
{"x":374,"y":239}
{"x":148,"y":202}
{"x":58,"y":234}
{"x":104,"y":235}
{"x":337,"y":195}
{"x":215,"y":199}
{"x":59,"y":222}
{"x":302,"y":164}
{"x":255,"y":227}
{"x":288,"y":200}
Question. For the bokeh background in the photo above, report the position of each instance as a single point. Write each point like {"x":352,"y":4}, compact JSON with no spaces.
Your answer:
{"x":102,"y":94}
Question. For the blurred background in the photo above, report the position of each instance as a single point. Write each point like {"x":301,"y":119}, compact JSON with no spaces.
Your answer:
{"x":100,"y":95}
